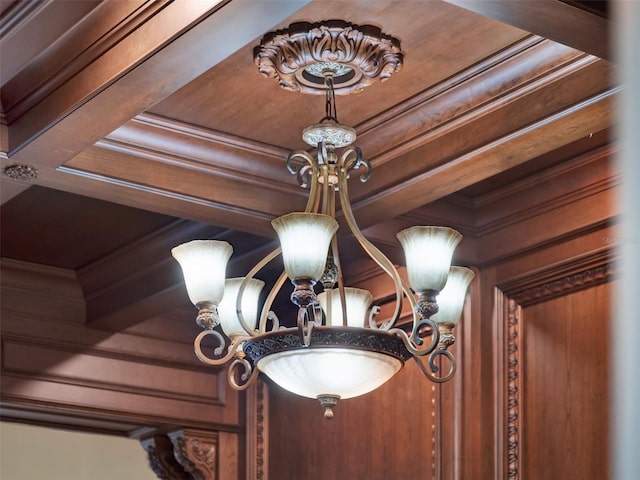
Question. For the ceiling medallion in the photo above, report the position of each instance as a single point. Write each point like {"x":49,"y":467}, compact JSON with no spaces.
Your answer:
{"x":299,"y":56}
{"x":21,"y":172}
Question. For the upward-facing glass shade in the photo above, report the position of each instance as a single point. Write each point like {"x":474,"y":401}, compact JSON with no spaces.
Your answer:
{"x":451,"y":298}
{"x":358,"y":302}
{"x":204,"y":264}
{"x":229,"y":320}
{"x":305,"y":239}
{"x":428,"y":252}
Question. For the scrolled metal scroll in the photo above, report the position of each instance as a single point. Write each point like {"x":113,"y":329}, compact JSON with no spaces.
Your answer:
{"x":349,"y":162}
{"x":217,"y":350}
{"x":433,"y":369}
{"x":375,"y":310}
{"x":419,"y":326}
{"x":417,"y":350}
{"x":247,"y":377}
{"x":303,"y":169}
{"x":305,"y":326}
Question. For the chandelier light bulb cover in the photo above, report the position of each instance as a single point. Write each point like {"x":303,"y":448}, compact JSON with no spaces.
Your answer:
{"x":228,"y":311}
{"x":337,"y":348}
{"x":204,"y":263}
{"x":305,"y":239}
{"x":428,"y":252}
{"x":357,"y":303}
{"x":451,"y":298}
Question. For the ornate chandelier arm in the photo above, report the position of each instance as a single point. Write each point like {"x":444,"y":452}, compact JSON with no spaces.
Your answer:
{"x":415,"y":349}
{"x":231,"y":351}
{"x":352,"y":159}
{"x":259,"y":266}
{"x":248,"y":376}
{"x":313,"y":202}
{"x":371,"y":250}
{"x":269,"y":301}
{"x":335,"y":251}
{"x":433,"y":370}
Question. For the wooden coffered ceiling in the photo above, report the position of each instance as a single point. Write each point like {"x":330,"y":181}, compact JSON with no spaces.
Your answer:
{"x":149,"y":125}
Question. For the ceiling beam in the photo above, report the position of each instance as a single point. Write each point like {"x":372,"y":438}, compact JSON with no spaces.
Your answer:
{"x":567,"y":23}
{"x":177,"y":44}
{"x":142,"y":280}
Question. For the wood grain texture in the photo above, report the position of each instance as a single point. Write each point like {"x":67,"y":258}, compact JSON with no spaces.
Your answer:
{"x":385,"y":434}
{"x":565,"y":400}
{"x":552,"y":357}
{"x":51,"y":360}
{"x":562,"y":21}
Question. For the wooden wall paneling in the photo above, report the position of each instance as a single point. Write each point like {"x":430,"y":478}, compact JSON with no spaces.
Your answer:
{"x":388,"y":433}
{"x":51,"y":360}
{"x":552,"y":357}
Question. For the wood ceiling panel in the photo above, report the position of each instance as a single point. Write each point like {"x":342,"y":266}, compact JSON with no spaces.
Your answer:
{"x":69,"y":231}
{"x":475,"y":98}
{"x":234,"y":98}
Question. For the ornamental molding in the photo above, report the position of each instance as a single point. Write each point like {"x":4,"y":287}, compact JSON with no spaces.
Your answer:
{"x":562,"y":279}
{"x":357,"y":55}
{"x":566,"y":285}
{"x":21,"y":172}
{"x":327,"y":337}
{"x":513,"y":390}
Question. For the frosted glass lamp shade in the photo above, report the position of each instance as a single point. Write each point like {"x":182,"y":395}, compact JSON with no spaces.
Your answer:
{"x":305,"y":239}
{"x":451,"y":298}
{"x":227,"y":311}
{"x":428,"y":252}
{"x":358,"y":302}
{"x":343,"y":372}
{"x":204,"y":263}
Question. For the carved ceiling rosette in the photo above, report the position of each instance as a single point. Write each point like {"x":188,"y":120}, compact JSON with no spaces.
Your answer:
{"x":299,"y":56}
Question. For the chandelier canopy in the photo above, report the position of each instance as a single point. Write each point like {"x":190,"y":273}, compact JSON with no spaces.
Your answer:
{"x":338,"y":349}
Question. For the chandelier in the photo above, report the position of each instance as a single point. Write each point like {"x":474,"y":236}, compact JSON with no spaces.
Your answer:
{"x":338,"y":349}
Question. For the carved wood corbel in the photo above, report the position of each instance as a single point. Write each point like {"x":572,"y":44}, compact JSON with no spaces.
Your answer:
{"x":161,"y":459}
{"x":183,"y":454}
{"x":197,"y":452}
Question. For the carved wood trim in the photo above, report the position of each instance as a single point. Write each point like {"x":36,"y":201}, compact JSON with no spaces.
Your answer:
{"x":436,"y":417}
{"x":257,"y":436}
{"x":577,"y":274}
{"x":513,"y":420}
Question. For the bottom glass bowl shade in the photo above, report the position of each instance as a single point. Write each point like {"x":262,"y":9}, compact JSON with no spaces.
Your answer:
{"x":337,"y":371}
{"x":338,"y":362}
